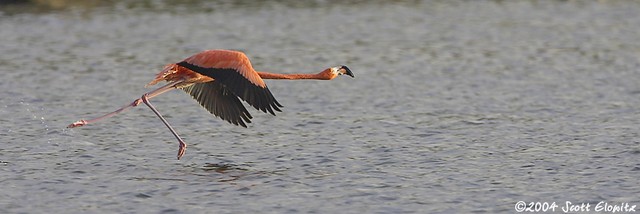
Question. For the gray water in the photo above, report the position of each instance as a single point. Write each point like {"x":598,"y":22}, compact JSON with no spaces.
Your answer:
{"x":457,"y":107}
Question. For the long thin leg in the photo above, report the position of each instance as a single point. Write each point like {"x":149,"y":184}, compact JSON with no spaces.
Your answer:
{"x":183,"y":145}
{"x":135,"y":103}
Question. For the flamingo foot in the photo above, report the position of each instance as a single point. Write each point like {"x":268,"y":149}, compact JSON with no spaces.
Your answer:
{"x":182,"y":149}
{"x":77,"y":124}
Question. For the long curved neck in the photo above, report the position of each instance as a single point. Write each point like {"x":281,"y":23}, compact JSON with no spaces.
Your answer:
{"x":318,"y":76}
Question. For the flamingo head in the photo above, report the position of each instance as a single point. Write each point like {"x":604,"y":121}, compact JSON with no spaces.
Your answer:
{"x":342,"y":69}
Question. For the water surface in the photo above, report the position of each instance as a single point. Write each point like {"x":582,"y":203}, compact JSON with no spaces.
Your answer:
{"x":457,"y":107}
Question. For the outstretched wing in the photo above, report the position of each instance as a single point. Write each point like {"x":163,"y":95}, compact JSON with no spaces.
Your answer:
{"x":239,"y":82}
{"x":218,"y":100}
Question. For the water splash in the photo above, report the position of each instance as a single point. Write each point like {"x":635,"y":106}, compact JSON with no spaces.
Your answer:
{"x":29,"y":121}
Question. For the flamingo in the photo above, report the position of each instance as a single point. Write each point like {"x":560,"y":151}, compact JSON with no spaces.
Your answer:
{"x":216,"y":79}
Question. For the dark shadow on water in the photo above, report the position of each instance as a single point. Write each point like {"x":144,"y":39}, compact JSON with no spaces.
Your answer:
{"x":231,"y":172}
{"x":221,"y":168}
{"x":10,"y":7}
{"x":228,"y":172}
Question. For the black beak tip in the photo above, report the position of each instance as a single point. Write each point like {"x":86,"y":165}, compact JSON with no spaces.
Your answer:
{"x":348,"y":70}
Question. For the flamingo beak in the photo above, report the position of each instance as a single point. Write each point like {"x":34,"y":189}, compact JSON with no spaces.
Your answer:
{"x":347,"y":71}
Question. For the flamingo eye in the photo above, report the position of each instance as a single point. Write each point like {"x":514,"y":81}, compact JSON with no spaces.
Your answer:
{"x":336,"y":70}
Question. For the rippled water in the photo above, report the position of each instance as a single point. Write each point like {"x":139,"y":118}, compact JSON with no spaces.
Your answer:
{"x":457,"y":107}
